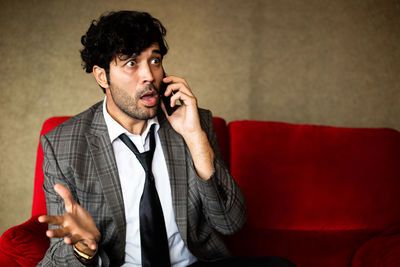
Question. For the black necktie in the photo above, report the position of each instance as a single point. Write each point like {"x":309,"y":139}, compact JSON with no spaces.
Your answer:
{"x":153,"y":235}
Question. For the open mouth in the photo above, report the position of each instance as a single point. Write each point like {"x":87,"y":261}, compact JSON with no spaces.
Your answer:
{"x":149,"y":99}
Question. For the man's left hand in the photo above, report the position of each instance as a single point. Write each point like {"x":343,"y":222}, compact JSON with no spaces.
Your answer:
{"x":186,"y":121}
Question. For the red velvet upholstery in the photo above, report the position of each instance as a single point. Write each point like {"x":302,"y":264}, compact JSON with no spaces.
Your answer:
{"x":39,"y":201}
{"x":314,"y":193}
{"x":382,"y":250}
{"x":26,"y":244}
{"x":318,"y":196}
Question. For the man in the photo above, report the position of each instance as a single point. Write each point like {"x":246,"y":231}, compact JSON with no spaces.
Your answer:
{"x":96,"y":185}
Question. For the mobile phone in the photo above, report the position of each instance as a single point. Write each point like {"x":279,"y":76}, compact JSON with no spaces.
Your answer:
{"x":166,"y":99}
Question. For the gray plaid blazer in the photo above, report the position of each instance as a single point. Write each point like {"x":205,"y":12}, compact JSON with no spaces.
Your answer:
{"x":79,"y":155}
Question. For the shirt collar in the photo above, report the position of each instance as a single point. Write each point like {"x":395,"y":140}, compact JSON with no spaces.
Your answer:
{"x":115,"y":129}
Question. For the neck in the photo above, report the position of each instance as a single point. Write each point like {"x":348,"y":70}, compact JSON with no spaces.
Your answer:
{"x":134,"y":126}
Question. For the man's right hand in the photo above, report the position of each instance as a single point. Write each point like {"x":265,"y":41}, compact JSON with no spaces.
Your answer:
{"x":77,"y":226}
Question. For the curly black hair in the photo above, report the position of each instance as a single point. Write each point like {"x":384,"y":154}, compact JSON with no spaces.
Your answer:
{"x":120,"y":33}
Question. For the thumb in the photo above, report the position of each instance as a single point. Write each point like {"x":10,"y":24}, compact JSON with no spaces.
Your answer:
{"x":66,"y":195}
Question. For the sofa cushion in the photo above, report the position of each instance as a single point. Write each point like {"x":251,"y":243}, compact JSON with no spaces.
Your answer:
{"x":304,"y":248}
{"x":304,"y":177}
{"x":24,"y":244}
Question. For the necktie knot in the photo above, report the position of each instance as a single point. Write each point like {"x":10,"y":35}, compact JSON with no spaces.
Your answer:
{"x":146,"y":157}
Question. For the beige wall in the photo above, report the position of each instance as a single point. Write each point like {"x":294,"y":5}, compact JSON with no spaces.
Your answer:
{"x":318,"y":62}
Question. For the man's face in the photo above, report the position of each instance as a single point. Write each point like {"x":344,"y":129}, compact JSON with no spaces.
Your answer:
{"x":134,"y":82}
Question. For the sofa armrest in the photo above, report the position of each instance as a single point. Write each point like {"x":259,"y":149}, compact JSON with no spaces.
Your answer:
{"x":24,"y":244}
{"x":381,"y":250}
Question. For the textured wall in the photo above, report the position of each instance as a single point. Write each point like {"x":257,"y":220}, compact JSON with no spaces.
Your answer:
{"x":319,"y":62}
{"x":327,"y":62}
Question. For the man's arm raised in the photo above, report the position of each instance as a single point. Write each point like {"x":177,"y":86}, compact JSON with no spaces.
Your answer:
{"x":185,"y":120}
{"x":223,"y":202}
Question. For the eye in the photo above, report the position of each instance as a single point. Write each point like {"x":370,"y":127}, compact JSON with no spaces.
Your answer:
{"x":131,"y":63}
{"x":156,"y":61}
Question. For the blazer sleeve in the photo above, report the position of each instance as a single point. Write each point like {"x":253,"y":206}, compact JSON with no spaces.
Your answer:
{"x":224,"y":205}
{"x":59,"y":253}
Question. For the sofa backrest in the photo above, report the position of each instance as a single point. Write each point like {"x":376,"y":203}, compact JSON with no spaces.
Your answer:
{"x":304,"y":177}
{"x":39,"y":200}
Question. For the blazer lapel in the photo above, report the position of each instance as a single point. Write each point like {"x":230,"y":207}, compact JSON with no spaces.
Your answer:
{"x":173,"y":147}
{"x":106,"y":167}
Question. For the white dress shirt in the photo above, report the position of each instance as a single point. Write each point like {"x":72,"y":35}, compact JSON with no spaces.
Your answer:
{"x":132,"y":177}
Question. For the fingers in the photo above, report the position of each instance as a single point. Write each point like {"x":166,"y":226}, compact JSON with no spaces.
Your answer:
{"x":187,"y":100}
{"x":53,"y":220}
{"x":58,"y":232}
{"x":66,"y":195}
{"x":173,"y":88}
{"x":85,"y":247}
{"x":43,"y":219}
{"x":70,"y":236}
{"x":71,"y":239}
{"x":91,"y":244}
{"x":68,"y":240}
{"x":180,"y":90}
{"x":76,"y":224}
{"x":175,"y":79}
{"x":176,"y":84}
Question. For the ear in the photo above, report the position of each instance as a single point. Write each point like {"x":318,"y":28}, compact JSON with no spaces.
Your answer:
{"x":100,"y":76}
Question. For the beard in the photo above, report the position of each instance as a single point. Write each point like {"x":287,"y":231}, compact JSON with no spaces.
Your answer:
{"x":130,"y":104}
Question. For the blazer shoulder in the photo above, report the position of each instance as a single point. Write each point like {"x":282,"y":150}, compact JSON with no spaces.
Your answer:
{"x":77,"y":125}
{"x":204,"y":112}
{"x":205,"y":118}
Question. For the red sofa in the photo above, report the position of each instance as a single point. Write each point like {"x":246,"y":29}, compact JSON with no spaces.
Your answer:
{"x":316,"y":195}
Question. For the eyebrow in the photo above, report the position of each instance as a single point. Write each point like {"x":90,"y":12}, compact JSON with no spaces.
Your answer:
{"x":156,"y":51}
{"x":123,"y":57}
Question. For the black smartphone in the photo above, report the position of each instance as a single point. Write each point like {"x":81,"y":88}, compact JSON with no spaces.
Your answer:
{"x":166,"y":99}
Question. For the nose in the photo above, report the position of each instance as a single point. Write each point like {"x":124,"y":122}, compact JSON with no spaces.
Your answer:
{"x":145,"y":73}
